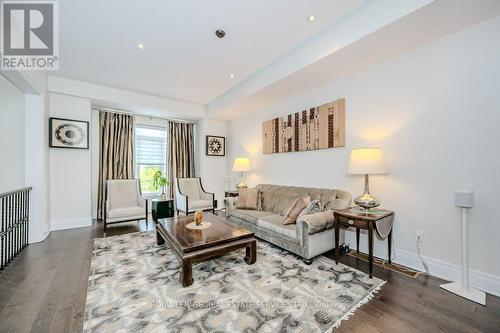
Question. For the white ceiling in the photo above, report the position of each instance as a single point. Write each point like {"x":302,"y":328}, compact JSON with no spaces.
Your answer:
{"x":183,"y":59}
{"x":430,"y":22}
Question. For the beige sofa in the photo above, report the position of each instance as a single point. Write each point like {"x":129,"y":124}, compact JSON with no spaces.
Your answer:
{"x":311,"y":236}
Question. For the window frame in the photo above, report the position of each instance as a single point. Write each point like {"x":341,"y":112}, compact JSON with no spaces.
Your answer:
{"x":137,"y":166}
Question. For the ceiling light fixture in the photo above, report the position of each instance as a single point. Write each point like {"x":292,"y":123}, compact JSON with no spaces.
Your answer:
{"x":231,"y":76}
{"x":220,"y":33}
{"x":141,"y":46}
{"x":311,"y":18}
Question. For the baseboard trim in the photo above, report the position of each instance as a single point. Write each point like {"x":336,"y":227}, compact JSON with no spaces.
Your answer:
{"x":77,"y":222}
{"x":486,"y":282}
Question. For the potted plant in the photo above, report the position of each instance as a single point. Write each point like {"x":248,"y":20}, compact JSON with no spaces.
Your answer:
{"x":160,"y":181}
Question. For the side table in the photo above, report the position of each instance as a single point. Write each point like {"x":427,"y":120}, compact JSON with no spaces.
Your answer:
{"x":231,"y":193}
{"x":162,"y":208}
{"x":346,"y":218}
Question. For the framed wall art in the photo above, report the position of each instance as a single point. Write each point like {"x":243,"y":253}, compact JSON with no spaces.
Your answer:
{"x":215,"y":145}
{"x":68,"y":133}
{"x":319,"y":127}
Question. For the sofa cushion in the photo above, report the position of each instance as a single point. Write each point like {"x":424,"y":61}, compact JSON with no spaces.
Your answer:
{"x":294,"y":210}
{"x":248,"y":198}
{"x":313,"y":207}
{"x":274,"y":223}
{"x":200,"y":204}
{"x":280,"y":203}
{"x":338,"y":204}
{"x":125,"y":212}
{"x":276,"y":198}
{"x":250,"y":216}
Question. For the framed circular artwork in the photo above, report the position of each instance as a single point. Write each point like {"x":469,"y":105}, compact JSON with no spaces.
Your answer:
{"x":215,"y":145}
{"x":67,"y":133}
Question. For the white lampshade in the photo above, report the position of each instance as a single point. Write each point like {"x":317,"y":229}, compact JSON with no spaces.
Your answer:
{"x":366,"y":161}
{"x":241,"y":164}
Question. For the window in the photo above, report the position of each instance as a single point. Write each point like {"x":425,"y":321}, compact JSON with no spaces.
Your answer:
{"x":150,"y":154}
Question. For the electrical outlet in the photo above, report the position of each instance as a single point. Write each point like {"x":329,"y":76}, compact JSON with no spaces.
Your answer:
{"x":419,"y":237}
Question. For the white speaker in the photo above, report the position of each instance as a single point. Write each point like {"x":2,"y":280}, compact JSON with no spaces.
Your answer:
{"x":464,"y":198}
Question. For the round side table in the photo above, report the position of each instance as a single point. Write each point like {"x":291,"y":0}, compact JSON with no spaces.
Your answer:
{"x":162,"y":208}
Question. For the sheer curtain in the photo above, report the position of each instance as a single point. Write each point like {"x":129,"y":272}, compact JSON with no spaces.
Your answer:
{"x":180,"y":152}
{"x":116,"y":152}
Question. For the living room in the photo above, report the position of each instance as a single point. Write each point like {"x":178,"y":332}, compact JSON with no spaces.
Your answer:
{"x":250,"y":166}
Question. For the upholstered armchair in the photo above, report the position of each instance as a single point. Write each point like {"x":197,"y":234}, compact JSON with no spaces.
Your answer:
{"x":190,"y":196}
{"x":125,"y":202}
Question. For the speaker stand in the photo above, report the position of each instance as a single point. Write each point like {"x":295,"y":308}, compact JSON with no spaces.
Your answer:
{"x":462,"y":288}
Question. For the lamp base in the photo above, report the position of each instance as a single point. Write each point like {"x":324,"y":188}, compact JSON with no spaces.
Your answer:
{"x":241,"y":185}
{"x":367,"y":201}
{"x":473,"y":294}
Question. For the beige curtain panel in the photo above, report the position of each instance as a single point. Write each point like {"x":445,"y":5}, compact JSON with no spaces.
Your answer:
{"x":180,"y":152}
{"x":116,"y":152}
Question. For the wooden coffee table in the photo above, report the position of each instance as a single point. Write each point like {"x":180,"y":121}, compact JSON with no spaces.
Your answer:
{"x":200,"y":245}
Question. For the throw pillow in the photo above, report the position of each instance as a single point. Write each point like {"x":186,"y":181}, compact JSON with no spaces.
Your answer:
{"x":290,"y":200}
{"x":293,"y":211}
{"x":248,"y":198}
{"x":313,"y":207}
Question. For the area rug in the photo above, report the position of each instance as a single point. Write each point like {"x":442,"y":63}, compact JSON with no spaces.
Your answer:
{"x":134,"y":287}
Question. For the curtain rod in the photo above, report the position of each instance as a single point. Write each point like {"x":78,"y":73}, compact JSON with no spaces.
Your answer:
{"x":145,"y":116}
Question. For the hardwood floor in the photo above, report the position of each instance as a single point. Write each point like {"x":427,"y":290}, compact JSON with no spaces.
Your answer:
{"x":44,"y":290}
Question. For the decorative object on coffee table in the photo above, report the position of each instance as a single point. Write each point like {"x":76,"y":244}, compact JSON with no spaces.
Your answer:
{"x":366,"y":161}
{"x":201,"y":226}
{"x":215,"y":145}
{"x":241,"y":165}
{"x":68,"y":133}
{"x":162,"y":208}
{"x":381,"y":222}
{"x":190,"y":247}
{"x":198,"y":216}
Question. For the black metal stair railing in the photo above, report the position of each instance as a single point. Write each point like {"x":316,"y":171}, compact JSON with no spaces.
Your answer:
{"x":14,"y":217}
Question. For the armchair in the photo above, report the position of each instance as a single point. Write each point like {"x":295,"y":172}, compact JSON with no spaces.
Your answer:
{"x":124,"y":202}
{"x":190,"y":196}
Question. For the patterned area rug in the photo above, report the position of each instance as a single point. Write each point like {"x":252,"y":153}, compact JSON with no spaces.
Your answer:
{"x":134,"y":287}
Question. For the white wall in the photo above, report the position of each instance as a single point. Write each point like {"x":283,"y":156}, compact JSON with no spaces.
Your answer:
{"x":12,"y":134}
{"x":70,"y":170}
{"x":34,"y":86}
{"x":211,"y":169}
{"x":94,"y":152}
{"x":434,"y":111}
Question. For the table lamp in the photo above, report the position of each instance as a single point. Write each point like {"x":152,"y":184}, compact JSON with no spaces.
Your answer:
{"x":241,"y":164}
{"x":366,"y":161}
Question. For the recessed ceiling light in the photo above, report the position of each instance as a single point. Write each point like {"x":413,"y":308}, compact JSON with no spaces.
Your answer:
{"x":141,"y":46}
{"x":231,"y":76}
{"x":220,"y":33}
{"x":311,"y":18}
